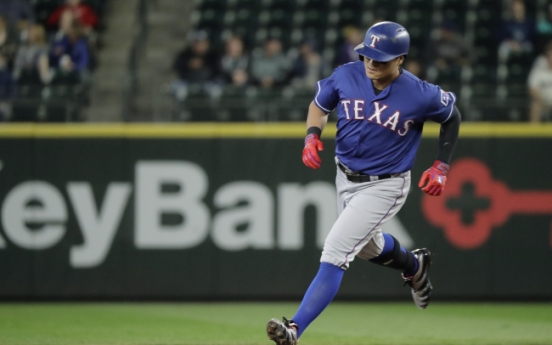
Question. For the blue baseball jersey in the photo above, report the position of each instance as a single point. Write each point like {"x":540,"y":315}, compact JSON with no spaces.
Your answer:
{"x":380,"y":134}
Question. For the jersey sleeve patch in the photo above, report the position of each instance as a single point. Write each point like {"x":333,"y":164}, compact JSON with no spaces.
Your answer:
{"x":452,"y":98}
{"x":441,"y":104}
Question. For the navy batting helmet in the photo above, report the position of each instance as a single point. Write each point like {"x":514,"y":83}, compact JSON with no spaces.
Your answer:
{"x":384,"y":42}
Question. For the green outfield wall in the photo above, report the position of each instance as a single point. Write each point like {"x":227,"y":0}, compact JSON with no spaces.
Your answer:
{"x":206,"y":211}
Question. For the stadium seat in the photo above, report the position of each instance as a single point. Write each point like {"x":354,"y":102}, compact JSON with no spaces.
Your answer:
{"x":216,"y":5}
{"x":517,"y":72}
{"x":446,"y":77}
{"x":417,"y":20}
{"x":352,"y":5}
{"x":285,"y":5}
{"x":279,"y":17}
{"x":296,"y":103}
{"x":516,"y":91}
{"x":482,"y":73}
{"x":492,"y":5}
{"x":252,"y":5}
{"x":348,"y":16}
{"x":59,"y":111}
{"x":424,"y":5}
{"x":233,"y":104}
{"x":330,"y":38}
{"x":211,"y":20}
{"x":321,"y":5}
{"x":43,"y":9}
{"x":460,"y":6}
{"x":314,"y":32}
{"x":97,"y":5}
{"x":509,"y":109}
{"x":419,"y":27}
{"x":246,"y":17}
{"x":27,"y":111}
{"x":296,"y":37}
{"x":487,"y":19}
{"x":315,"y":17}
{"x":229,"y":18}
{"x":329,"y":56}
{"x":281,"y":33}
{"x":486,"y":54}
{"x":483,"y":90}
{"x":198,"y":104}
{"x":458,"y":18}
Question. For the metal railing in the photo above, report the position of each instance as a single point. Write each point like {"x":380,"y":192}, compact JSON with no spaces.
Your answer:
{"x":222,"y":103}
{"x":136,"y":52}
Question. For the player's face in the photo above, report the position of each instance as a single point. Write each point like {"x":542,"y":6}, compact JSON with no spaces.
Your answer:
{"x":377,"y":70}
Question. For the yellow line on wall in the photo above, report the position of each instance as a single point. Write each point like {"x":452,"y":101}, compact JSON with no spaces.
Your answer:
{"x":240,"y":130}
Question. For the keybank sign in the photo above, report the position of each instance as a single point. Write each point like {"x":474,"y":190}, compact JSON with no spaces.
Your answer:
{"x":35,"y":213}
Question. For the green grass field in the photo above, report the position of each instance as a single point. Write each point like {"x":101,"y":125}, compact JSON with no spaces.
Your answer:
{"x":244,"y":323}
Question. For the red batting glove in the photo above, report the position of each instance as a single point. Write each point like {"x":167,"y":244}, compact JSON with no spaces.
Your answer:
{"x":310,"y":152}
{"x":435,"y":177}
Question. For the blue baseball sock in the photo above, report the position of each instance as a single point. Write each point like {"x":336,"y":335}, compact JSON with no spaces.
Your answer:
{"x":320,"y":293}
{"x":413,"y":270}
{"x":395,"y":256}
{"x":389,"y":244}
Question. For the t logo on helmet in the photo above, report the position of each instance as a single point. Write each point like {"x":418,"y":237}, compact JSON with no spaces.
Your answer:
{"x":374,"y":40}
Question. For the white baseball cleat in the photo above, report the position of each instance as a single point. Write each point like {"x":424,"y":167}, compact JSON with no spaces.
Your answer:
{"x":419,"y":282}
{"x":283,"y":333}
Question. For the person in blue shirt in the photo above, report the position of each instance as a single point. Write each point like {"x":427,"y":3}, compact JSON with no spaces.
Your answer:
{"x":71,"y":52}
{"x":17,"y":11}
{"x":8,"y":88}
{"x":516,"y":34}
{"x":381,"y":111}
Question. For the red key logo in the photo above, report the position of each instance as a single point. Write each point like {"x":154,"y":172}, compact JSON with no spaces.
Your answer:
{"x":474,"y":203}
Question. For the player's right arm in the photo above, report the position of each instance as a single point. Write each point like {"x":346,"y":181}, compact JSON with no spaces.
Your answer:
{"x":444,"y":111}
{"x":316,"y":122}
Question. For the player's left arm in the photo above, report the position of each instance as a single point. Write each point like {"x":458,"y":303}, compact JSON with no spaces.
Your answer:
{"x":322,"y":105}
{"x":316,"y":122}
{"x":433,"y":179}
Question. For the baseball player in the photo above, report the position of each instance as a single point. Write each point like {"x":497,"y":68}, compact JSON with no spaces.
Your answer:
{"x":381,"y":109}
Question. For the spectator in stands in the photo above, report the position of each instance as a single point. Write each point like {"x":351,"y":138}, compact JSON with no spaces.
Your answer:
{"x":353,"y":36}
{"x":70,"y":53}
{"x":540,"y":89}
{"x":17,"y":12}
{"x":32,"y":62}
{"x":84,"y":13}
{"x":516,"y":34}
{"x":235,"y":63}
{"x":272,"y":67}
{"x":65,"y":24}
{"x":7,"y":88}
{"x":447,"y":53}
{"x":307,"y":67}
{"x":8,"y":41}
{"x":196,"y":64}
{"x":544,"y":30}
{"x":240,"y":78}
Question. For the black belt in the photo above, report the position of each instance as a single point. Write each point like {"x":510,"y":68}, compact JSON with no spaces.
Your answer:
{"x":353,"y":177}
